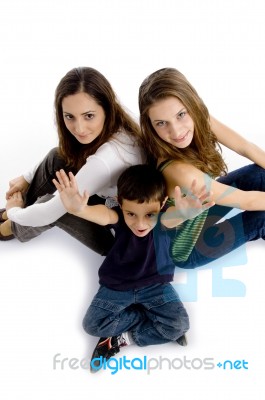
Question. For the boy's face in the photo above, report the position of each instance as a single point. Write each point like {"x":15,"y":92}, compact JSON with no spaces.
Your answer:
{"x":141,"y":218}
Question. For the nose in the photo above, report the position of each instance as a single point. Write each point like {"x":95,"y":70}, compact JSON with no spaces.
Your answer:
{"x":79,"y":127}
{"x":140,"y":223}
{"x":176,"y":129}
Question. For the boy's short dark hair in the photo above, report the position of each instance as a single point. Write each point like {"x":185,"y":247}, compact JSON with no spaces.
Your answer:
{"x":141,"y":183}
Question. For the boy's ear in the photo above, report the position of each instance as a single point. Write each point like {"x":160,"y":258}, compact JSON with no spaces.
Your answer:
{"x":164,"y":202}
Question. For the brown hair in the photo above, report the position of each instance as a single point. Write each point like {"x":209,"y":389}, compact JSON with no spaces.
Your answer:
{"x":90,"y":81}
{"x":203,"y":151}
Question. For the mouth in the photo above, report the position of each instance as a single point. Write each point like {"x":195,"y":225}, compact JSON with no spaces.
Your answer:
{"x":82,"y":138}
{"x":182,"y":138}
{"x":140,"y":232}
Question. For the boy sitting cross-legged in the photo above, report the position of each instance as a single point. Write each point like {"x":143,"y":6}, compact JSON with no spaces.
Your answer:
{"x":135,"y":302}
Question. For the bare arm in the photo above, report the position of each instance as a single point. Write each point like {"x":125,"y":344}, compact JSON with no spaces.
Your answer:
{"x":76,"y":204}
{"x":237,"y":143}
{"x":183,"y":174}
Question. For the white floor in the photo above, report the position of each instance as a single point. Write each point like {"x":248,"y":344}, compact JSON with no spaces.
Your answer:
{"x":46,"y":286}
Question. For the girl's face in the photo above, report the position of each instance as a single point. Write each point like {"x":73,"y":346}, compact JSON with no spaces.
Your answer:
{"x":171,"y":121}
{"x":83,"y":117}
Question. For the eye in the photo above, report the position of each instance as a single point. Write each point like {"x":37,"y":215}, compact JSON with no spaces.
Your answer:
{"x":89,"y":116}
{"x":151,"y":215}
{"x":161,"y":123}
{"x":68,"y":116}
{"x":129,"y":214}
{"x":182,"y":114}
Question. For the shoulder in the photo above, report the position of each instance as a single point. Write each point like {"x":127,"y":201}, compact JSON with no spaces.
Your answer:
{"x":120,"y":220}
{"x":182,"y":175}
{"x":121,"y":144}
{"x":180,"y":168}
{"x":122,"y":139}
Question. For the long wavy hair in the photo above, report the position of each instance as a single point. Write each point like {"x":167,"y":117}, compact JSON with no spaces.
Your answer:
{"x":204,"y":150}
{"x":89,"y":80}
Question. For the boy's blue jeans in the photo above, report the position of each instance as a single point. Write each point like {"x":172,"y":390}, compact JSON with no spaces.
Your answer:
{"x":153,"y":314}
{"x":218,"y":238}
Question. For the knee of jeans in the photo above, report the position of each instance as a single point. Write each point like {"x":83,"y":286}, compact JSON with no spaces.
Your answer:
{"x":255,"y":171}
{"x":92,"y":321}
{"x":180,"y":327}
{"x":89,"y":325}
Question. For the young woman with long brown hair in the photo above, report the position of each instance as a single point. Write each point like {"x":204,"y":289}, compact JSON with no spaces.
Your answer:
{"x":98,"y":140}
{"x":182,"y":139}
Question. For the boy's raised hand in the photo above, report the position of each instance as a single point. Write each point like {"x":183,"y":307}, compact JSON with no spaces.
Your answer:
{"x":69,"y":193}
{"x":187,"y":207}
{"x":194,"y":203}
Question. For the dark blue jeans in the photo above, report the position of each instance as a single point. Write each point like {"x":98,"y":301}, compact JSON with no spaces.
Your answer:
{"x":153,"y":314}
{"x":218,"y":238}
{"x":96,"y":237}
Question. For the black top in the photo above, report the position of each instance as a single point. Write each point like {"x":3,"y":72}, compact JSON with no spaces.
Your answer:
{"x":135,"y":262}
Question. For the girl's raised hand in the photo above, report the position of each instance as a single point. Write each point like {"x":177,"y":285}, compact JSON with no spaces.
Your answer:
{"x":67,"y":187}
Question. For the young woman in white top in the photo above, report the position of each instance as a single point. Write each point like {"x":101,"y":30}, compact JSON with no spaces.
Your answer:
{"x":98,"y":140}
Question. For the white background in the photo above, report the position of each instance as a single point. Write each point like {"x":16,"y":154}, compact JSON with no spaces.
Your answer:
{"x":47,"y":284}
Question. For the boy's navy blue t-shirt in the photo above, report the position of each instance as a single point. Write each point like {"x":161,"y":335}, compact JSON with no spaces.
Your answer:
{"x":135,"y":262}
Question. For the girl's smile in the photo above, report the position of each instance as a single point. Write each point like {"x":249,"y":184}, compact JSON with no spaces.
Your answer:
{"x":83,"y":117}
{"x":172,"y":123}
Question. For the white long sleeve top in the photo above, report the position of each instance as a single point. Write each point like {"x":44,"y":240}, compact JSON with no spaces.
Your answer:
{"x":98,"y":176}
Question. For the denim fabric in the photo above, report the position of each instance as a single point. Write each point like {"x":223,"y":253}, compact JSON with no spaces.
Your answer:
{"x":97,"y":238}
{"x":219,"y":237}
{"x":153,"y":314}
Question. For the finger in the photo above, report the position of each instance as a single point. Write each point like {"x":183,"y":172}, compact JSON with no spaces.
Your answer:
{"x":193,"y":186}
{"x":208,"y":205}
{"x":178,"y":194}
{"x":202,"y":192}
{"x":205,"y":197}
{"x":64,"y":178}
{"x":19,"y":196}
{"x":10,"y":193}
{"x":57,"y":185}
{"x":73,"y":182}
{"x":59,"y":177}
{"x":85,"y":197}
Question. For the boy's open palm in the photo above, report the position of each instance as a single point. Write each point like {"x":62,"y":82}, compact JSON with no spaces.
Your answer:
{"x":194,"y":203}
{"x":187,"y":207}
{"x":72,"y":200}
